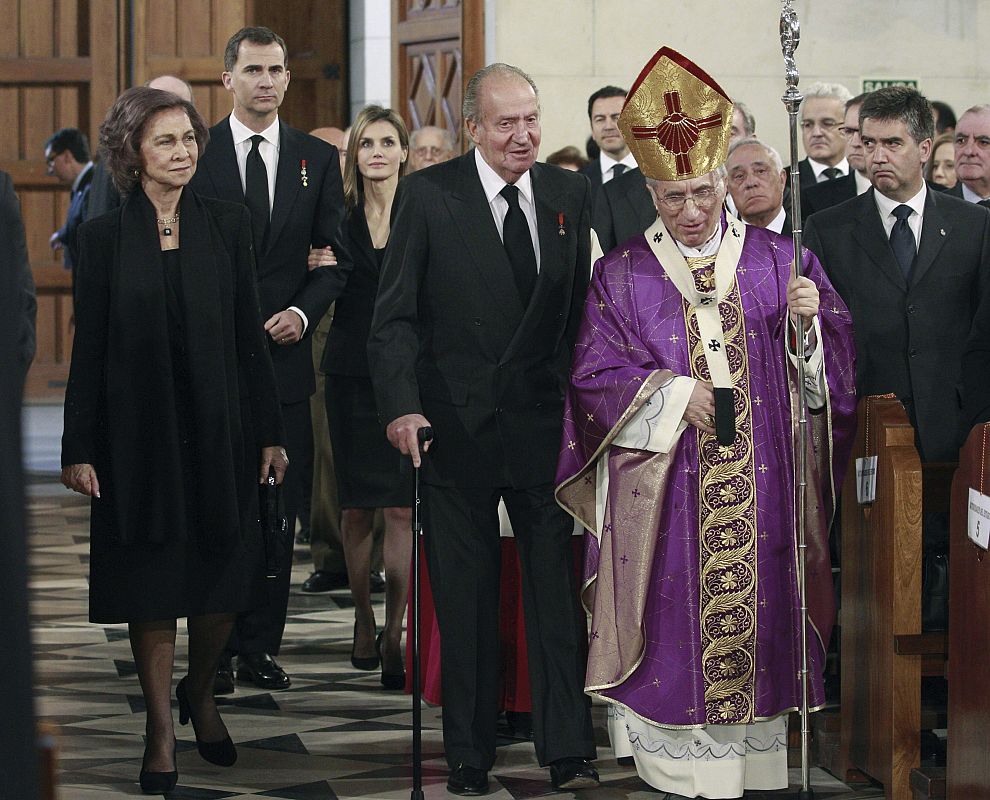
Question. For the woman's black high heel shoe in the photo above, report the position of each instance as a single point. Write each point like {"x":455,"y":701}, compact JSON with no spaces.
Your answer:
{"x":390,"y":680}
{"x":222,"y":753}
{"x":157,"y":782}
{"x":366,"y":663}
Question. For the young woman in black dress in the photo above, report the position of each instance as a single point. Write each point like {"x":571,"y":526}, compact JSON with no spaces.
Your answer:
{"x":370,"y":473}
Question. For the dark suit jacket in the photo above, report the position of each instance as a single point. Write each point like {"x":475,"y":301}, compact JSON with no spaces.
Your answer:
{"x":817,"y":196}
{"x":76,"y":215}
{"x":451,"y":340}
{"x":16,"y":269}
{"x":624,"y":209}
{"x":346,"y":351}
{"x":301,"y":216}
{"x":909,"y":336}
{"x":103,"y":195}
{"x":593,"y":172}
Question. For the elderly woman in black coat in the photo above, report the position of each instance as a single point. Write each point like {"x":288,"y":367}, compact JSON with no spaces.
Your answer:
{"x":171,"y":416}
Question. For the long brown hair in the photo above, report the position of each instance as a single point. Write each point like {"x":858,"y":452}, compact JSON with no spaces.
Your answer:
{"x":365,"y":117}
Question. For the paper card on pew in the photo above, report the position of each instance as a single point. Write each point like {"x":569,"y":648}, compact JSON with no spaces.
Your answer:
{"x":866,"y":479}
{"x":978,"y":524}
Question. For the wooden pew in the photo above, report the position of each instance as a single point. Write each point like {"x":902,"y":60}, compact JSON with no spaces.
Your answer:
{"x":968,"y":768}
{"x":883,"y":650}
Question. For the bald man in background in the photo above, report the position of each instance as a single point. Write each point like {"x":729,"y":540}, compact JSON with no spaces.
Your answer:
{"x":103,"y":195}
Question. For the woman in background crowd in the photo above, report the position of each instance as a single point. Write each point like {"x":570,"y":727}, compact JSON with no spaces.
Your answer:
{"x":941,"y":167}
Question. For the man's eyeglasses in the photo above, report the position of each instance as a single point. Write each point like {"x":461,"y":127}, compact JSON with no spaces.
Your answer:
{"x":703,"y":198}
{"x":424,"y":151}
{"x":848,"y":132}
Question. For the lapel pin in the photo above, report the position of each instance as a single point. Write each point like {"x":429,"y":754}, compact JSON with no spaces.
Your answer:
{"x":942,"y":231}
{"x":560,"y":224}
{"x":302,"y":173}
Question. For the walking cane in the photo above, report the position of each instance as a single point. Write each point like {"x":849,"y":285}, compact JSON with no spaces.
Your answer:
{"x":423,"y":435}
{"x":790,"y":37}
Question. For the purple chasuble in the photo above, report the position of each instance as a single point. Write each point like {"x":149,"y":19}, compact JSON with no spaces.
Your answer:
{"x":692,"y":581}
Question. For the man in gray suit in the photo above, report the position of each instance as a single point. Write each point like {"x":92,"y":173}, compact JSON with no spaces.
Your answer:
{"x":911,"y":265}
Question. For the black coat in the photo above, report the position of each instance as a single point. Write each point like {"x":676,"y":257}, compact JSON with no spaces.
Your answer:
{"x":302,"y":216}
{"x":450,"y":338}
{"x":910,"y":336}
{"x":121,"y":408}
{"x":15,"y":267}
{"x":624,"y":209}
{"x":826,"y":194}
{"x":346,"y":351}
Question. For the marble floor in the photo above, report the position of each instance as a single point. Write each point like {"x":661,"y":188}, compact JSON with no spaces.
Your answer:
{"x":334,"y":734}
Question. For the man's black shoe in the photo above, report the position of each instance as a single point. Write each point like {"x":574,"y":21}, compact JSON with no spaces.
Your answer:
{"x":223,"y":683}
{"x":323,"y":581}
{"x":262,"y":670}
{"x":377,"y":580}
{"x":573,"y":773}
{"x":468,"y":781}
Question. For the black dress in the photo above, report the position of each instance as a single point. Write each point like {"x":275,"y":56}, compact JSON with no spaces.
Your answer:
{"x":171,"y":397}
{"x":370,"y":472}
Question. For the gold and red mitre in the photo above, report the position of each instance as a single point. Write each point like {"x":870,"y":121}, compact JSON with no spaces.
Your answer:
{"x":676,"y":119}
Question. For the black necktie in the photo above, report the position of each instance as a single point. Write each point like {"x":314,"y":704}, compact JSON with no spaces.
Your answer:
{"x":902,"y":240}
{"x":984,"y":203}
{"x":618,"y":169}
{"x":256,"y":193}
{"x":831,"y":173}
{"x":519,"y":244}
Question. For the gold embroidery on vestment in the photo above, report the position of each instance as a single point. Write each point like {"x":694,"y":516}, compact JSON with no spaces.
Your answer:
{"x":727,"y":525}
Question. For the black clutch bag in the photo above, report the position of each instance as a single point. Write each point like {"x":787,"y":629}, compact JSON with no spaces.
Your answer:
{"x":271,"y":512}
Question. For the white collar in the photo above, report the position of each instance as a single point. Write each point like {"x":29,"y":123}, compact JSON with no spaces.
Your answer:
{"x":606,"y":162}
{"x":82,"y":173}
{"x":241,"y":132}
{"x":886,"y":206}
{"x":777,"y":223}
{"x":709,"y":248}
{"x":818,"y":167}
{"x":493,"y":183}
{"x":970,"y":195}
{"x":862,"y":182}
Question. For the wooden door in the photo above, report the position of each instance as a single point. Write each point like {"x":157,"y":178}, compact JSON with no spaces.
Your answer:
{"x":436,"y":46}
{"x":60,"y":67}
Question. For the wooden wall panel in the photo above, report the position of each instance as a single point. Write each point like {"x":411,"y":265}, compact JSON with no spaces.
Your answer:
{"x":59,"y":67}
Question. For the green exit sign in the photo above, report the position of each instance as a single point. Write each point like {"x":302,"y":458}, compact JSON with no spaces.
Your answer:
{"x":872,"y":84}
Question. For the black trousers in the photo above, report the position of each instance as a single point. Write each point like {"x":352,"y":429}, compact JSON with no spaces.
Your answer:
{"x":463,"y":555}
{"x":260,"y":629}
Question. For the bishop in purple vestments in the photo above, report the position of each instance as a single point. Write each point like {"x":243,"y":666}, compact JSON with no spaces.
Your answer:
{"x":691,"y":559}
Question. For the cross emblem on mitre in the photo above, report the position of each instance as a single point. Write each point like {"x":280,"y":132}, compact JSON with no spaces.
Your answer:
{"x":677,"y":132}
{"x":676,"y":119}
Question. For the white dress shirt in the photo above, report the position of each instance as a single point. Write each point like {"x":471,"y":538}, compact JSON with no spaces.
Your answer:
{"x":819,"y":169}
{"x":606,"y":162}
{"x":862,"y":182}
{"x":970,"y":196}
{"x":492,"y":184}
{"x":269,"y":154}
{"x":777,"y":223}
{"x":268,"y":149}
{"x":886,"y":208}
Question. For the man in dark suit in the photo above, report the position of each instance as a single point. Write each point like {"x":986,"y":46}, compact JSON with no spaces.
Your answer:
{"x":291,"y":184}
{"x":911,"y":264}
{"x":624,"y":209}
{"x":67,"y":157}
{"x":756,"y":179}
{"x":822,"y":112}
{"x":614,"y":158}
{"x":826,"y":194}
{"x":972,"y":145}
{"x":476,"y":316}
